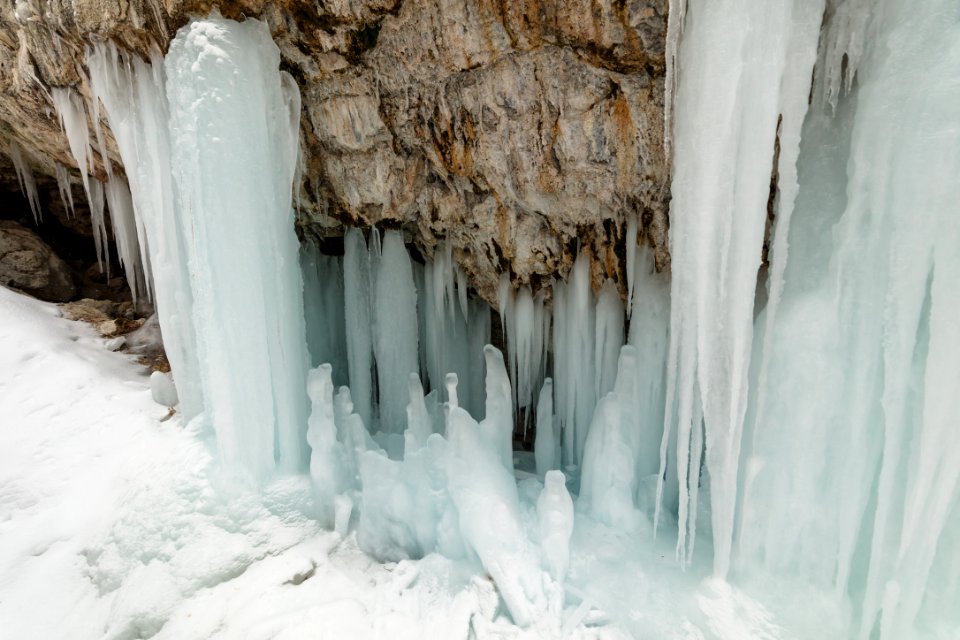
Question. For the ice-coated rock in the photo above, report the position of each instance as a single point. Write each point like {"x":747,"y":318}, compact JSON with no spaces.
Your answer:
{"x":162,"y":389}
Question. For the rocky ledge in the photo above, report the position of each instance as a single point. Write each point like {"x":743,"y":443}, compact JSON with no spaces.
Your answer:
{"x":521,"y":130}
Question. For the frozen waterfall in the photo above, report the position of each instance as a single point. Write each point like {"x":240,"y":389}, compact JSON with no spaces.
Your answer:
{"x":781,"y":408}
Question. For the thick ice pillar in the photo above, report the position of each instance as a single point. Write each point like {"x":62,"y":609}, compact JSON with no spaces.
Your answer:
{"x":234,"y":129}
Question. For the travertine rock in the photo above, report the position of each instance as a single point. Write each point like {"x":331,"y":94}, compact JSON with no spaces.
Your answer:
{"x":518,"y":129}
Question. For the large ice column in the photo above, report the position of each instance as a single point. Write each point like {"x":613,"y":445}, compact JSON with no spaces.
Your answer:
{"x":732,"y":60}
{"x":133,"y":92}
{"x":867,"y":324}
{"x":234,"y":122}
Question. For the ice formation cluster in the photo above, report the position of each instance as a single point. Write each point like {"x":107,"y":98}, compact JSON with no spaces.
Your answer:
{"x":794,"y":415}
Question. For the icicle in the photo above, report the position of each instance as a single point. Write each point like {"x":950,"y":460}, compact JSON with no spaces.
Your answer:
{"x":125,"y":234}
{"x":462,"y":291}
{"x":28,"y":185}
{"x":323,"y":307}
{"x":521,"y":345}
{"x":73,"y":122}
{"x":609,"y":337}
{"x":358,"y":318}
{"x":97,"y":201}
{"x":845,"y":41}
{"x":724,"y":126}
{"x":547,"y":443}
{"x":66,"y":191}
{"x":795,"y":89}
{"x":574,"y":340}
{"x":133,"y":94}
{"x":631,"y":243}
{"x":649,"y":335}
{"x":395,"y":346}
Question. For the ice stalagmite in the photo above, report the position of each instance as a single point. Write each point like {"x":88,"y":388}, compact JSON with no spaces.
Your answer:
{"x":234,"y":123}
{"x":327,"y":455}
{"x":555,"y":516}
{"x":485,"y":495}
{"x":731,"y":62}
{"x":608,"y":481}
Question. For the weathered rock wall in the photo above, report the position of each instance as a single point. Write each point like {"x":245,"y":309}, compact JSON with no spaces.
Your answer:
{"x":520,"y":129}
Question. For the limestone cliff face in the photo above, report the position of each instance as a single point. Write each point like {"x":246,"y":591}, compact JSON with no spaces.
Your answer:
{"x":519,"y":129}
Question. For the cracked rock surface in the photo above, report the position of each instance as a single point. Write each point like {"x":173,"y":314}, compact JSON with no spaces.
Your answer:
{"x":519,"y":129}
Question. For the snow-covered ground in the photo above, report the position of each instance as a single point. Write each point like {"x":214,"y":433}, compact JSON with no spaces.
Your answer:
{"x":113,"y":524}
